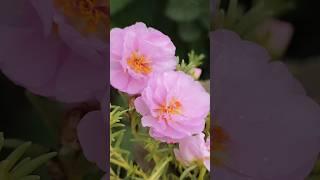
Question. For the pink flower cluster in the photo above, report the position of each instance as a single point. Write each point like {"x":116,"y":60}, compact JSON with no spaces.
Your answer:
{"x":171,"y":103}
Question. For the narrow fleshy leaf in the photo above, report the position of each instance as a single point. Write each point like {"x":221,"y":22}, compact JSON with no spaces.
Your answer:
{"x":31,"y":177}
{"x":33,"y":165}
{"x":21,"y":163}
{"x":17,"y":154}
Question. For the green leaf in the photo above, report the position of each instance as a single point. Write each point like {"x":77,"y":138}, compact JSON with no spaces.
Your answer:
{"x":31,"y":177}
{"x":183,"y":10}
{"x":187,"y":171}
{"x":279,"y":7}
{"x":21,"y":163}
{"x":118,"y":5}
{"x":189,"y":32}
{"x":50,"y":112}
{"x":32,"y":165}
{"x":158,"y":171}
{"x":17,"y":154}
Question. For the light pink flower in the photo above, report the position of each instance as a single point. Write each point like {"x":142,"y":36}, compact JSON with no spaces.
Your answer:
{"x":136,"y":53}
{"x":194,"y":149}
{"x":174,"y":106}
{"x":40,"y":51}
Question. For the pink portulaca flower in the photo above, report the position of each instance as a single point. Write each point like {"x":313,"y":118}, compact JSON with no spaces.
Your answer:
{"x":44,"y":51}
{"x":136,"y":53}
{"x":194,"y":149}
{"x":174,"y":106}
{"x":267,"y":128}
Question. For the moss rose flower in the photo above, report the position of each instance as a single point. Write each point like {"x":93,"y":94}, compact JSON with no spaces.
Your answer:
{"x":174,"y":106}
{"x":194,"y":149}
{"x":137,"y":52}
{"x":267,"y":127}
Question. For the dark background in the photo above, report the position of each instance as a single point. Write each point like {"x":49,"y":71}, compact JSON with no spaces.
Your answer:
{"x":304,"y":16}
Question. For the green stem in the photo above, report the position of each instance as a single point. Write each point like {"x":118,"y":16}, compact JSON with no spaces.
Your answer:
{"x":185,"y":172}
{"x":124,"y":164}
{"x":202,"y":173}
{"x":157,"y":174}
{"x":133,"y":119}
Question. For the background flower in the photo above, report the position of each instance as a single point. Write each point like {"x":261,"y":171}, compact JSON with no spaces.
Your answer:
{"x":56,"y":62}
{"x":271,"y":124}
{"x":92,"y":134}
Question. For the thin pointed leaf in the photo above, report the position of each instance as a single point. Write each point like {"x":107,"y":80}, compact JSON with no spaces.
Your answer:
{"x":22,"y":162}
{"x":33,"y":165}
{"x":158,"y":170}
{"x":187,"y":171}
{"x":231,"y":13}
{"x":17,"y":154}
{"x":31,"y":177}
{"x":3,"y":169}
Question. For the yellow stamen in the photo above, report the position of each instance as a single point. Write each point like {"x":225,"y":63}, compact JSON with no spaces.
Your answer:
{"x":173,"y":108}
{"x":139,"y":63}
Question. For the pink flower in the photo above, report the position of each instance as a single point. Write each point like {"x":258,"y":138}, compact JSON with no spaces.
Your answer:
{"x":268,"y":128}
{"x":136,"y":53}
{"x":43,"y":53}
{"x":194,"y":149}
{"x":92,"y":135}
{"x":174,"y":106}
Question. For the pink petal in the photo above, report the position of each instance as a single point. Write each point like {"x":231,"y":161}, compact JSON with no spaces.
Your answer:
{"x":45,"y":10}
{"x":141,"y":106}
{"x":79,"y":80}
{"x":93,"y":138}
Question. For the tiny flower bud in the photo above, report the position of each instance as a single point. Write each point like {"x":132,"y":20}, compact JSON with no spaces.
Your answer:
{"x":196,"y":73}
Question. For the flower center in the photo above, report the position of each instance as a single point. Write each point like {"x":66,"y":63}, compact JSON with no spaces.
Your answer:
{"x":172,"y":108}
{"x":87,"y":15}
{"x":139,"y":63}
{"x":220,"y":138}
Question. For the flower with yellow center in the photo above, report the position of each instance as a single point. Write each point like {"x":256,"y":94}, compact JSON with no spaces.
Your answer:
{"x":139,"y":63}
{"x":172,"y":108}
{"x":138,"y":52}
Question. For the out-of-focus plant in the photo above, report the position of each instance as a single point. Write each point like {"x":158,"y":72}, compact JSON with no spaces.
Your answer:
{"x":257,"y":23}
{"x":15,"y":167}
